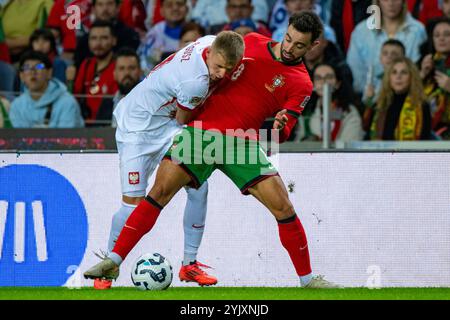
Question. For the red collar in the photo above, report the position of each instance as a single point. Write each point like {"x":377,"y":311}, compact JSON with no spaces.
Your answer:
{"x":204,"y":54}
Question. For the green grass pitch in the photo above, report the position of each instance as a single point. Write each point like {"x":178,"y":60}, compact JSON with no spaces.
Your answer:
{"x":224,"y":293}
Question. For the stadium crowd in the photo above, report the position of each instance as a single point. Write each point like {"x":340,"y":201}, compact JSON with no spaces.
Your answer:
{"x":67,"y":63}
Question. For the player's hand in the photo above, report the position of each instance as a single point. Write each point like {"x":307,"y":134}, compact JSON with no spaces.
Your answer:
{"x":370,"y":91}
{"x":280,"y":120}
{"x":173,"y":114}
{"x":427,"y":66}
{"x":442,"y":80}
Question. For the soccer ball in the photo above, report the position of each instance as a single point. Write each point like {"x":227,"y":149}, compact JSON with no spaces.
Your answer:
{"x":152,"y":271}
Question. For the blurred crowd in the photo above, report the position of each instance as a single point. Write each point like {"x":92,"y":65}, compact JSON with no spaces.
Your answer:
{"x":67,"y":63}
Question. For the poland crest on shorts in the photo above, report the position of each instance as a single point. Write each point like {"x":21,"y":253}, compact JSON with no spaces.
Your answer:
{"x":133,"y":177}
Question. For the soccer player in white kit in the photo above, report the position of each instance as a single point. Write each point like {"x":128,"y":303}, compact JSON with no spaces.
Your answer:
{"x":146,"y":127}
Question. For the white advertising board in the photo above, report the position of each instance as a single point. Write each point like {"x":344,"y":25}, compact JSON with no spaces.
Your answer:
{"x":372,"y":219}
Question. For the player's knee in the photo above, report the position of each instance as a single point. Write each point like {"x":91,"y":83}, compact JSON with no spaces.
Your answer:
{"x":160,"y":194}
{"x":283,"y":210}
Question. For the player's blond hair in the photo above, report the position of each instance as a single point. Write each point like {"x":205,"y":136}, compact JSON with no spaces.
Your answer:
{"x":230,"y":45}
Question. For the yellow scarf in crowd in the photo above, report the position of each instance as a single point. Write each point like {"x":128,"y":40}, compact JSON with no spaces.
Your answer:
{"x":409,"y":126}
{"x":410,"y":123}
{"x":438,"y":97}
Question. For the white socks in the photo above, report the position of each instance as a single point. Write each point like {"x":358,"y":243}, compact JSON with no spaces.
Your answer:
{"x":118,"y":221}
{"x":194,"y":221}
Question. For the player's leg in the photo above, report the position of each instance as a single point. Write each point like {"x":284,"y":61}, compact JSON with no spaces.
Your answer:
{"x":260,"y":178}
{"x":194,"y":221}
{"x":273,"y":194}
{"x":169,"y":179}
{"x":194,"y":226}
{"x":136,"y":163}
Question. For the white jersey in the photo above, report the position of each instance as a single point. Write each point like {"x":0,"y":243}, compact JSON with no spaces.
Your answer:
{"x":181,"y":80}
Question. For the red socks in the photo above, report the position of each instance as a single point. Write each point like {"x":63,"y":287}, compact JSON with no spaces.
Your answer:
{"x":293,"y":239}
{"x":138,"y":224}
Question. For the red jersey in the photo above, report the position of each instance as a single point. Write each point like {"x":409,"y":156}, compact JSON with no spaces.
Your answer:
{"x":95,"y":85}
{"x":259,"y":88}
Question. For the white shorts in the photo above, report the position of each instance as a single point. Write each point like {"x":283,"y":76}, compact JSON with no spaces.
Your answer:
{"x":137,"y":162}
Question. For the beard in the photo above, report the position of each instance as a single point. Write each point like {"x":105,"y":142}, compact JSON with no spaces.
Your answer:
{"x":103,"y":55}
{"x":126,"y":85}
{"x":292,"y":61}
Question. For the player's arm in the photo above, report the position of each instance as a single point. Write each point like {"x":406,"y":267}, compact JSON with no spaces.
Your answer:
{"x":183,"y":116}
{"x":190,"y":95}
{"x":287,"y":118}
{"x":285,"y":121}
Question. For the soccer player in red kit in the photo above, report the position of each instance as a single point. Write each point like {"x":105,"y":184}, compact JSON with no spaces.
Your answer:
{"x":271,"y":79}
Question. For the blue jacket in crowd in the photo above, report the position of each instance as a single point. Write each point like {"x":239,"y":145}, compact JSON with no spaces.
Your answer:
{"x":65,"y":111}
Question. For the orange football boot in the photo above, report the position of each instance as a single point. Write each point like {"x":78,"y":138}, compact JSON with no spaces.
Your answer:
{"x":194,"y":273}
{"x":102,"y":284}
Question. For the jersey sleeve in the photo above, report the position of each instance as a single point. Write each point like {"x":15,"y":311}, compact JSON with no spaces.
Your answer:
{"x":191,"y":93}
{"x":297,"y":99}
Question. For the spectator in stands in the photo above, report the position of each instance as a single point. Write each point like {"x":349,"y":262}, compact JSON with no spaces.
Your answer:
{"x":107,"y":11}
{"x":346,"y":123}
{"x":4,"y":51}
{"x":366,"y":43}
{"x":8,"y":76}
{"x":243,"y":26}
{"x":239,"y":13}
{"x":446,"y":8}
{"x":165,"y":35}
{"x":295,"y":6}
{"x":329,"y":52}
{"x":133,"y":14}
{"x":214,"y":12}
{"x":19,"y":19}
{"x":127,"y":74}
{"x":43,"y":40}
{"x":63,"y":26}
{"x":190,"y":32}
{"x":345,"y":15}
{"x":4,"y":113}
{"x":95,"y":78}
{"x":435,"y":72}
{"x":401,"y":112}
{"x":153,"y":10}
{"x":424,"y":10}
{"x":392,"y":49}
{"x":46,"y":101}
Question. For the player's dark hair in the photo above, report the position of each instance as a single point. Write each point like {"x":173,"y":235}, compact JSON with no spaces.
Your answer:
{"x":95,"y":1}
{"x":35,"y":55}
{"x":307,"y":22}
{"x":395,"y":42}
{"x":127,"y":52}
{"x":104,"y":24}
{"x":46,"y":34}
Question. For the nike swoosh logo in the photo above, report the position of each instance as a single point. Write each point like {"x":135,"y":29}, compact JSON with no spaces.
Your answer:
{"x":304,"y":247}
{"x":198,"y":226}
{"x":125,"y":226}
